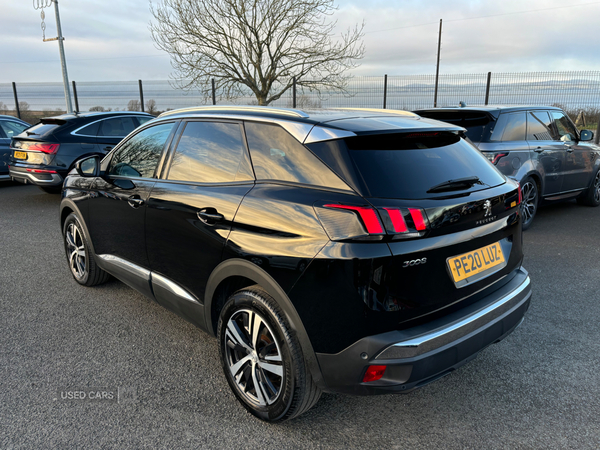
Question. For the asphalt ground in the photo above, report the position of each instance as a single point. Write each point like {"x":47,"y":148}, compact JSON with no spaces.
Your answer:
{"x":539,"y":388}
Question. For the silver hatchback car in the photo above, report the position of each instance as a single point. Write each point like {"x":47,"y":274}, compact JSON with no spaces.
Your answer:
{"x":538,"y":146}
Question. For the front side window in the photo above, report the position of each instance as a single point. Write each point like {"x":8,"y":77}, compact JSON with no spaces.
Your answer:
{"x":210,"y":152}
{"x":538,"y":126}
{"x":117,"y":127}
{"x":276,"y":155}
{"x":139,"y":156}
{"x":563,"y":125}
{"x":12,"y":128}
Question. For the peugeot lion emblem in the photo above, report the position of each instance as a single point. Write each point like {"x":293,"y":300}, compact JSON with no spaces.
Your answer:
{"x":488,"y":208}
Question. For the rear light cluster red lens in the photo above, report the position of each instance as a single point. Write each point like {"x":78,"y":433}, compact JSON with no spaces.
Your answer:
{"x":40,"y":171}
{"x":365,"y":222}
{"x":520,"y":193}
{"x":40,"y":147}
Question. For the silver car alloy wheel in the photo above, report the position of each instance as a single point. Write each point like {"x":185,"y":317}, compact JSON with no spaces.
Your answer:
{"x":75,"y":250}
{"x":254,"y":357}
{"x":529,"y":201}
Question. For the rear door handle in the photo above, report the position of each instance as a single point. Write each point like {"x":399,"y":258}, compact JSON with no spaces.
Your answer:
{"x":210,"y":218}
{"x":539,"y":150}
{"x":135,"y":201}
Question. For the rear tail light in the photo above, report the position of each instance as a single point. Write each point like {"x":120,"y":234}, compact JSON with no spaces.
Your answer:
{"x":40,"y":147}
{"x":365,"y":222}
{"x":374,"y":373}
{"x":494,"y":157}
{"x":520,"y":193}
{"x":350,"y":222}
{"x":41,"y":171}
{"x":405,"y":222}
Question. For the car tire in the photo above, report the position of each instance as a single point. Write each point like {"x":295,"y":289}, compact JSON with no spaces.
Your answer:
{"x":591,"y":197}
{"x":264,"y":366}
{"x":79,"y":254}
{"x":529,"y":201}
{"x":51,"y":189}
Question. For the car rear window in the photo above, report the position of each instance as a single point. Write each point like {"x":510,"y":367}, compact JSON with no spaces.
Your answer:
{"x":406,"y":166}
{"x":478,"y":124}
{"x":42,"y":129}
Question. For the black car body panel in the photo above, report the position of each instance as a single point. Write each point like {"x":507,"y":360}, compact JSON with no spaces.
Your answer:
{"x":190,"y":243}
{"x":9,"y":127}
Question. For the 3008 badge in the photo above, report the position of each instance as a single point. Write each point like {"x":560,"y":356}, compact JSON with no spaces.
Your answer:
{"x":414,"y":262}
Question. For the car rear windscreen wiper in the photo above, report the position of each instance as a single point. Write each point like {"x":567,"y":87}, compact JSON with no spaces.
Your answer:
{"x":454,"y":185}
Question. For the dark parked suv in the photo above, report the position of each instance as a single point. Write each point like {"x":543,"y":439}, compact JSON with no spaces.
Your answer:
{"x":363,"y":252}
{"x":9,"y":127}
{"x":537,"y":145}
{"x":45,"y":153}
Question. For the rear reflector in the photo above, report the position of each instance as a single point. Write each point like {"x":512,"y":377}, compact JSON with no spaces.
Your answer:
{"x":367,"y":214}
{"x":40,"y":147}
{"x":40,"y":171}
{"x":374,"y":373}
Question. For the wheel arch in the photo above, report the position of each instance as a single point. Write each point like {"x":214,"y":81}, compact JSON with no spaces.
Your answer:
{"x":68,"y":206}
{"x":234,"y":274}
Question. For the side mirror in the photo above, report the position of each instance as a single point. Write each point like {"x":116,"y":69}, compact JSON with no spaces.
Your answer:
{"x":586,"y":135}
{"x":88,"y":167}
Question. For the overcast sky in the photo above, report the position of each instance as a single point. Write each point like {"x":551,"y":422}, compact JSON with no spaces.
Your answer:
{"x":109,"y":40}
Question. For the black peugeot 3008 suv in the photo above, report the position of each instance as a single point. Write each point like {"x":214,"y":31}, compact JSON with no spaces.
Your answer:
{"x":354,"y":251}
{"x":45,"y":153}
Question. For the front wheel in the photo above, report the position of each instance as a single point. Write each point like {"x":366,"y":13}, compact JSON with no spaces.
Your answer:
{"x":591,"y":197}
{"x":262,"y":358}
{"x":529,"y":201}
{"x":79,"y":254}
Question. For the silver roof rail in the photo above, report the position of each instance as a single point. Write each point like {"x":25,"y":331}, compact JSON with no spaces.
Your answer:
{"x":259,"y":109}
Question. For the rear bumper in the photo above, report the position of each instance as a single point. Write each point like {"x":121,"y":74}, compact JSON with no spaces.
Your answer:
{"x":420,"y":355}
{"x":40,"y":177}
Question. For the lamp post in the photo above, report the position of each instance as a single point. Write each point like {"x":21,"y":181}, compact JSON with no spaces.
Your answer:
{"x":41,"y":4}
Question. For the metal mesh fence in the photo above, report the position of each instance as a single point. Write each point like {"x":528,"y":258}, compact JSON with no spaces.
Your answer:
{"x":571,"y":90}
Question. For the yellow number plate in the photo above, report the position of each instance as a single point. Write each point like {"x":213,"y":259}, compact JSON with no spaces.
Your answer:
{"x":20,"y":155}
{"x":472,"y":263}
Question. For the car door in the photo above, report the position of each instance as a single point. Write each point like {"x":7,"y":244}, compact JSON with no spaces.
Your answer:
{"x":112,"y":131}
{"x":191,"y":209}
{"x":578,"y":159}
{"x":117,"y":210}
{"x":508,"y":140}
{"x":542,"y":139}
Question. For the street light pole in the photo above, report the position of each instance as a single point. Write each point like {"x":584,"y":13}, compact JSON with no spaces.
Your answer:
{"x":40,"y":4}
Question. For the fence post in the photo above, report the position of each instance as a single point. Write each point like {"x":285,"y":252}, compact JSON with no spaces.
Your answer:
{"x":384,"y":91}
{"x":141,"y":95}
{"x":293,"y":92}
{"x":214,"y":94}
{"x":487,"y":88}
{"x":75,"y":96}
{"x":16,"y":100}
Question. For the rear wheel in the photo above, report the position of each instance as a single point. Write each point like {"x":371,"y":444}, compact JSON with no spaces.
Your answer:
{"x":591,"y":197}
{"x":79,"y":255}
{"x":529,"y":201}
{"x":262,"y":358}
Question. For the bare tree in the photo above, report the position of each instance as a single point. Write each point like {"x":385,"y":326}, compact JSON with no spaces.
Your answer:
{"x":258,"y":44}
{"x":97,"y":108}
{"x":134,"y":105}
{"x":151,"y":106}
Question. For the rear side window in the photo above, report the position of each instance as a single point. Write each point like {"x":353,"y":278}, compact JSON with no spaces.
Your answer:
{"x":539,"y":126}
{"x":276,"y":155}
{"x":12,"y":128}
{"x":139,"y":156}
{"x":510,"y":127}
{"x":143,"y":119}
{"x":90,"y":130}
{"x":397,"y":166}
{"x":117,"y":127}
{"x":210,"y":152}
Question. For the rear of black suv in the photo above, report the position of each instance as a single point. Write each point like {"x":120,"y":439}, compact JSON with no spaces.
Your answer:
{"x":423,"y":273}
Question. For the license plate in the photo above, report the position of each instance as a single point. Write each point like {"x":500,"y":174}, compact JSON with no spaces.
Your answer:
{"x":20,"y":155}
{"x":472,"y":266}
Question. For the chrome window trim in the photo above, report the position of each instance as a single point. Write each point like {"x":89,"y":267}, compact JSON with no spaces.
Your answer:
{"x":320,"y":133}
{"x":75,"y":132}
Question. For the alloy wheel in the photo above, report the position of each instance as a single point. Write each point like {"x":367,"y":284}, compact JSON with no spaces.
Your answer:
{"x":76,"y":250}
{"x":529,"y":201}
{"x":254,"y":358}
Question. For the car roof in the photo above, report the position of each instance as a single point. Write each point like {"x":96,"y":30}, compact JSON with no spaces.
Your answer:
{"x":354,"y":121}
{"x":494,"y":110}
{"x":16,"y":119}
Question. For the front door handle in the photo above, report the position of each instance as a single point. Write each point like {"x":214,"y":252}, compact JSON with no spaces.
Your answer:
{"x":539,"y":150}
{"x":569,"y":149}
{"x":135,"y":201}
{"x":210,"y":218}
